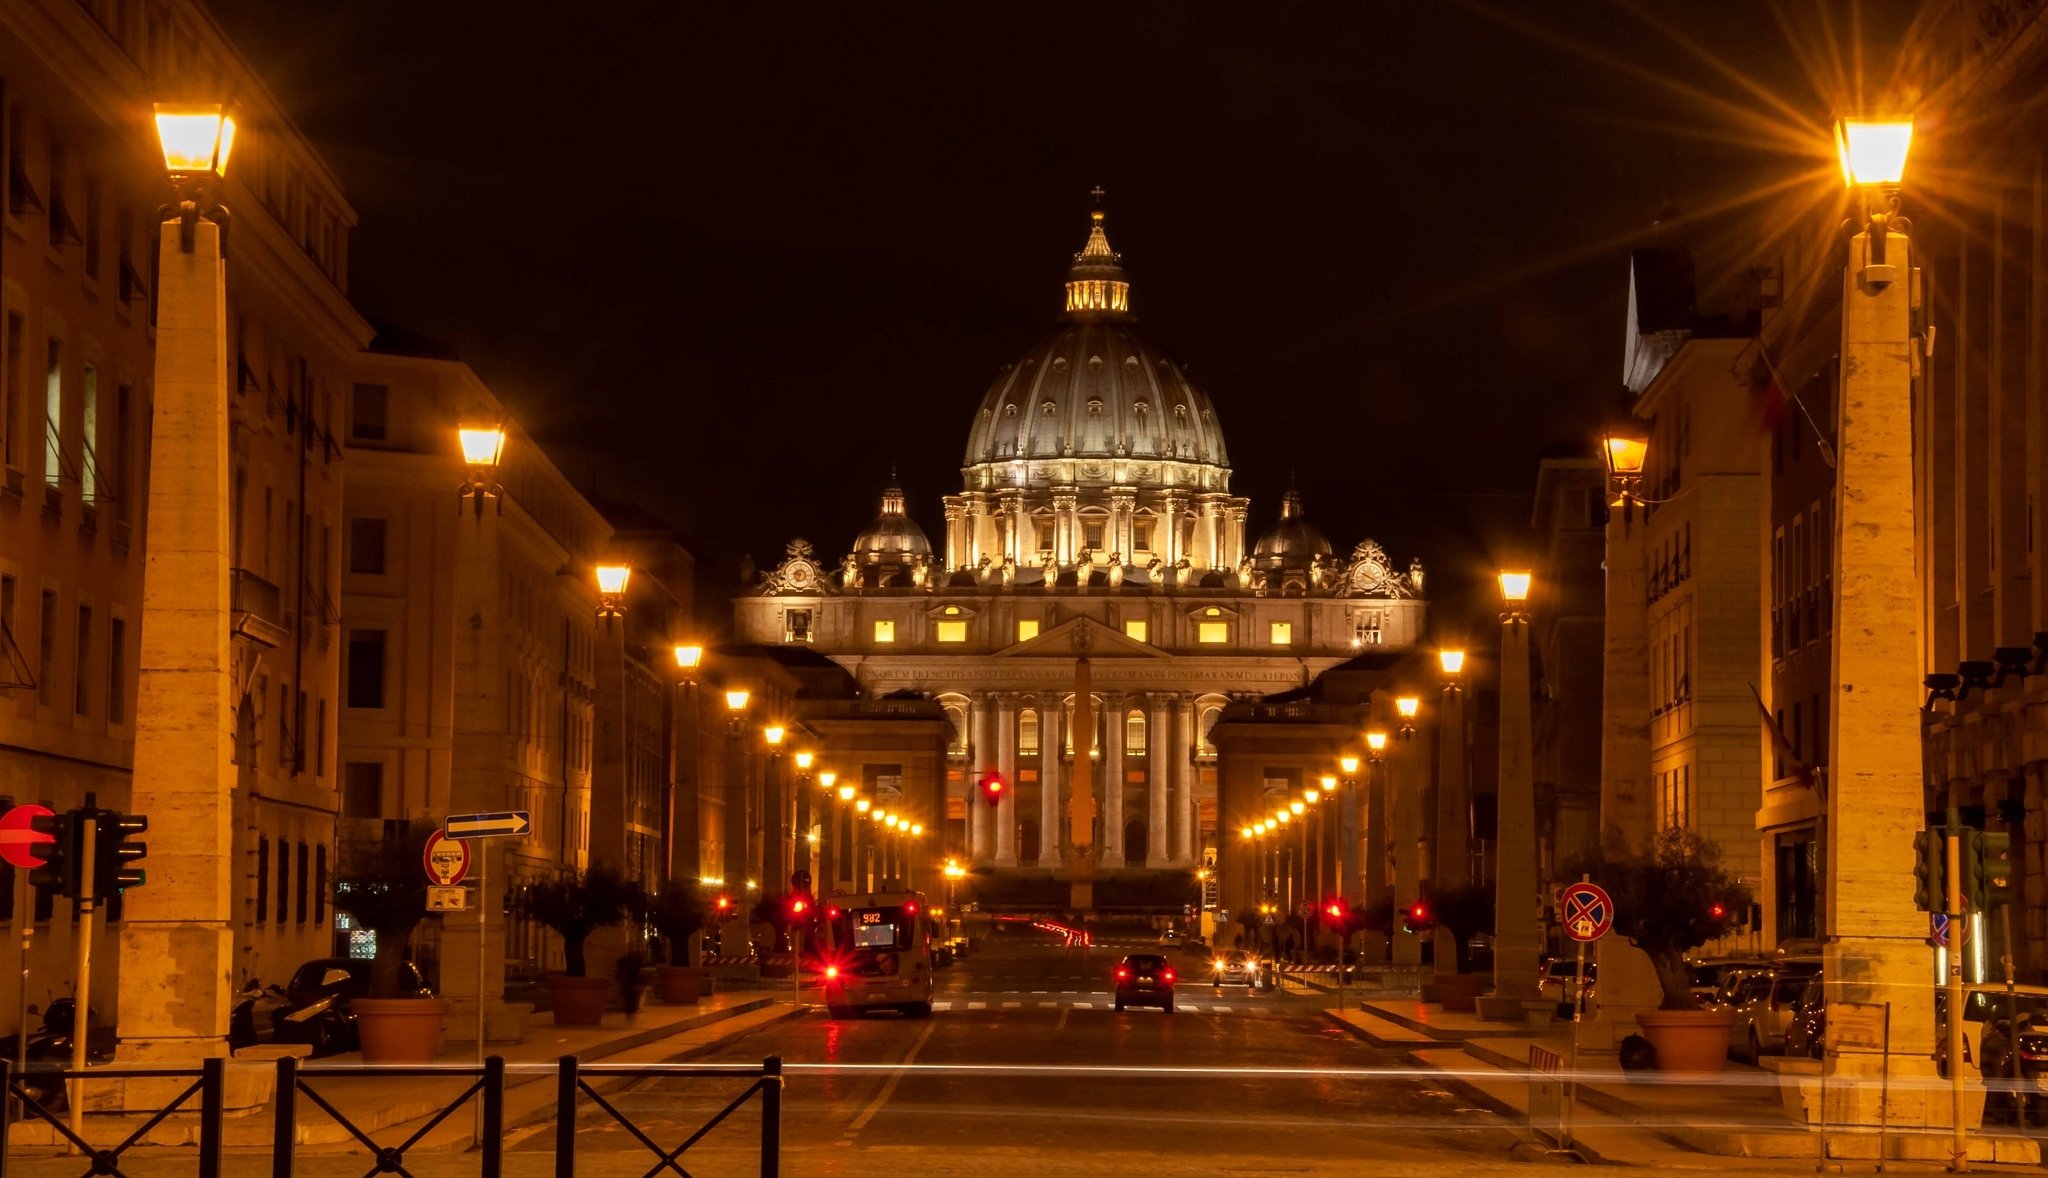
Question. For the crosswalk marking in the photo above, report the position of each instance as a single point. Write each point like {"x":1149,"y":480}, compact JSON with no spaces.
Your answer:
{"x":1083,"y":1005}
{"x":1048,"y":1005}
{"x":1220,"y":1009}
{"x":1011,"y":1005}
{"x":977,"y":1006}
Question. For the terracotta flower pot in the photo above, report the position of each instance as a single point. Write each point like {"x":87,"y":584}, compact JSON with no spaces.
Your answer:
{"x":1693,"y":1042}
{"x":578,"y":1002}
{"x":679,"y":985}
{"x":399,"y":1030}
{"x":1460,"y":991}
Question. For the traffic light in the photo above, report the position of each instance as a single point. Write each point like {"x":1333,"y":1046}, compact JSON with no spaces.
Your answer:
{"x":724,"y":906}
{"x":992,"y":788}
{"x":1971,"y":870}
{"x":116,"y":845}
{"x":61,"y":853}
{"x":1417,"y":918}
{"x":799,"y":904}
{"x":1994,"y":851}
{"x":1717,"y":911}
{"x":1930,"y":871}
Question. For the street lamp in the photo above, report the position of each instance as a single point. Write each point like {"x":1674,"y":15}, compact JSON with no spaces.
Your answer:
{"x":483,"y":446}
{"x":1407,"y":707}
{"x":688,"y":659}
{"x":196,"y":138}
{"x":1873,"y":156}
{"x":804,"y":759}
{"x":611,"y":589}
{"x":1625,"y":447}
{"x":1517,"y":937}
{"x":1451,"y":841}
{"x":1451,"y":660}
{"x":773,"y":734}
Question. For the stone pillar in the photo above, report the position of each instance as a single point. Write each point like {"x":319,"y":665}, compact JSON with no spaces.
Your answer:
{"x":1627,"y":982}
{"x":1066,"y":524}
{"x":1182,"y":751}
{"x":1115,"y":732}
{"x":1404,"y":757}
{"x":686,"y":815}
{"x":1874,"y":948}
{"x":1373,"y":858}
{"x":1051,"y":735}
{"x":608,"y":748}
{"x":1015,"y":523}
{"x":1166,"y":540}
{"x":1159,"y":781}
{"x":981,"y":825}
{"x":1233,"y":534}
{"x":1518,"y":938}
{"x":177,"y":941}
{"x":1453,"y":797}
{"x":1123,"y":503}
{"x":1006,"y":764}
{"x":957,"y":545}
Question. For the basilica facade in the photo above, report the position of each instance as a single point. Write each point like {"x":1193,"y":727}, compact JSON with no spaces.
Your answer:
{"x":1095,"y":521}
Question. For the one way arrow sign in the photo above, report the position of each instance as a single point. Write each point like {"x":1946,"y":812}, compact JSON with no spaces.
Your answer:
{"x":483,"y":826}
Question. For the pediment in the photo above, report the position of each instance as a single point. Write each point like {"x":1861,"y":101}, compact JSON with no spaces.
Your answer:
{"x":1083,"y":636}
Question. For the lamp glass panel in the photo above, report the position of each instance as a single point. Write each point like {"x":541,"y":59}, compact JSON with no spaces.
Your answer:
{"x":612,"y":578}
{"x":687,"y":657}
{"x":1873,"y":152}
{"x":1452,"y":661}
{"x":481,"y":445}
{"x":737,"y":700}
{"x":1626,"y":455}
{"x":192,"y":138}
{"x":1514,"y":585}
{"x":1408,"y":706}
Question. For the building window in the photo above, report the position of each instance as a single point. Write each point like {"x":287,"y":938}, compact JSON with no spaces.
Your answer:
{"x":262,"y":880}
{"x":1027,"y":629}
{"x":1212,"y":633}
{"x":299,"y":911}
{"x":796,"y":625}
{"x":885,"y":630}
{"x":1365,"y":628}
{"x":53,"y":413}
{"x":284,"y":880}
{"x":10,"y":393}
{"x":366,"y":669}
{"x":88,"y":467}
{"x":81,"y":682}
{"x":369,"y":420}
{"x":320,"y":884}
{"x":1282,"y":633}
{"x":362,"y":789}
{"x":1136,"y":629}
{"x":1134,"y":733}
{"x":1141,"y":535}
{"x":1027,"y":733}
{"x":366,"y":545}
{"x":117,"y":671}
{"x":1091,"y":533}
{"x":46,"y":651}
{"x":952,"y":631}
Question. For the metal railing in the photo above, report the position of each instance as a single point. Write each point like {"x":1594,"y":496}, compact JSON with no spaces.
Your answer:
{"x":489,"y":1087}
{"x":570,"y":1082}
{"x":208,"y":1084}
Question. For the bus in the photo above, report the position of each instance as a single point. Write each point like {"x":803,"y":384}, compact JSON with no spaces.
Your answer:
{"x":876,"y":953}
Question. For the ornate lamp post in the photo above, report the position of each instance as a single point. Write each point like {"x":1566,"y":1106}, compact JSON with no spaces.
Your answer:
{"x":1453,"y":867}
{"x":483,"y":446}
{"x":1405,"y":803}
{"x":1373,"y":856}
{"x":612,"y":580}
{"x":1517,"y":938}
{"x":684,"y":818}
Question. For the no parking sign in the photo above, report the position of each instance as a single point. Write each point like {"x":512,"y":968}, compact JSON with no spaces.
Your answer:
{"x":1587,"y":911}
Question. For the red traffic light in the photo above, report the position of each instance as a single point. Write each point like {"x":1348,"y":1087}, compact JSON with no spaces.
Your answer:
{"x":724,"y":903}
{"x":1717,"y":910}
{"x":1335,"y":910}
{"x":992,"y":787}
{"x":798,"y":906}
{"x":1419,"y":913}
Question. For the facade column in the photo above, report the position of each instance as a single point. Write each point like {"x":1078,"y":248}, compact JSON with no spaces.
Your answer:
{"x":1113,"y":774}
{"x":1166,"y":540}
{"x":1066,"y":524}
{"x":1006,"y":764}
{"x":1123,"y":503}
{"x":1233,"y":540}
{"x":1159,"y":780}
{"x":1187,"y":815}
{"x":177,"y":941}
{"x":981,"y":719}
{"x":1206,"y":555}
{"x":956,"y":533}
{"x":1051,"y":746}
{"x":1014,"y":524}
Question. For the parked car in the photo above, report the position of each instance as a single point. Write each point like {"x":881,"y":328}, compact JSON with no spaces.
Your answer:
{"x":1763,"y":1006}
{"x":317,"y":1009}
{"x":1144,"y":979}
{"x":1711,"y":974}
{"x":1806,"y":1033}
{"x":2007,"y":1091}
{"x":1557,"y":978}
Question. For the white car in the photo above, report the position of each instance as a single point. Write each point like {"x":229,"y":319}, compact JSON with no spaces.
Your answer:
{"x":1170,"y":937}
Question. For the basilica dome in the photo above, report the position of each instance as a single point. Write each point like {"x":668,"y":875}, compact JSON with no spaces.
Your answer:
{"x":1293,"y":538}
{"x":1094,"y":404}
{"x":891,"y":535}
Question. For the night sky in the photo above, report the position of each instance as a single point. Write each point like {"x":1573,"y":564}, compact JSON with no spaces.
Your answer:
{"x":733,"y":260}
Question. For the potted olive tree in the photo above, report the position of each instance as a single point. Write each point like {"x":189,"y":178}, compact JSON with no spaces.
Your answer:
{"x":678,"y":914}
{"x":574,"y":907}
{"x":1670,"y":897}
{"x":382,"y":887}
{"x":1464,"y":912}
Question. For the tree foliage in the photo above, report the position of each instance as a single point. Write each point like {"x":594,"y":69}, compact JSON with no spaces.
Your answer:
{"x":1665,"y":898}
{"x":382,"y":887}
{"x":677,"y":913}
{"x":1466,"y":911}
{"x":575,"y":906}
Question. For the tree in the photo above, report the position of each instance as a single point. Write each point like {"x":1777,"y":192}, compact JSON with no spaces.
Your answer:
{"x":677,"y":913}
{"x":576,"y":906}
{"x":1670,"y":897}
{"x":382,"y":887}
{"x":1466,"y":911}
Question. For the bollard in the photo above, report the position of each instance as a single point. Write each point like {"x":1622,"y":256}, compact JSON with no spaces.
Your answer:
{"x":771,"y":1116}
{"x":565,"y":1119}
{"x":213,"y":1072}
{"x":493,"y":1097}
{"x":285,"y":1114}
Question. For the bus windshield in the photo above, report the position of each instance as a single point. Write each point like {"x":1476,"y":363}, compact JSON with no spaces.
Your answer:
{"x":887,"y":926}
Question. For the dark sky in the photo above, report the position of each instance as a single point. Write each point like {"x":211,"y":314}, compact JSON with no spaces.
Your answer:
{"x":735,"y":259}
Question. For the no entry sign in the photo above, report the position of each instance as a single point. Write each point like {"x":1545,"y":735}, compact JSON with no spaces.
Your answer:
{"x":1587,"y":912}
{"x":17,"y":841}
{"x":447,"y":859}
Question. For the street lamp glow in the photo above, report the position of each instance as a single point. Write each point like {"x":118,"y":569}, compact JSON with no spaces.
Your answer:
{"x":1408,"y":706}
{"x":827,"y":778}
{"x":1625,"y":454}
{"x":1376,"y":740}
{"x":1312,"y":796}
{"x":1452,"y":661}
{"x":1297,"y":805}
{"x":1245,"y":832}
{"x":196,"y":138}
{"x":1514,"y":585}
{"x":1873,"y":153}
{"x":846,"y":793}
{"x":1349,"y":764}
{"x":688,"y":657}
{"x":862,"y":805}
{"x":804,"y":757}
{"x":736,"y":700}
{"x":482,"y":446}
{"x":1284,"y":815}
{"x":612,"y":578}
{"x":917,"y":830}
{"x":774,"y":733}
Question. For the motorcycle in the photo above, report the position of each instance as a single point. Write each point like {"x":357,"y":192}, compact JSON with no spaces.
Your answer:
{"x":48,"y":1050}
{"x":251,"y":1020}
{"x":2029,"y":1089}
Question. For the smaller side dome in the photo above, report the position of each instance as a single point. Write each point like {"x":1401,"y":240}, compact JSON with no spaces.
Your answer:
{"x":1293,"y":539}
{"x":892,"y":535}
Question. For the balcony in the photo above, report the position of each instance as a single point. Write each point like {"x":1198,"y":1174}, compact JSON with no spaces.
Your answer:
{"x":256,"y":609}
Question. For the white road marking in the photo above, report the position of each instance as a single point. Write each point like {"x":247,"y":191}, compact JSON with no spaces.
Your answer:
{"x":1082,"y":1006}
{"x":1220,"y":1009}
{"x":977,"y":1006}
{"x":1011,"y":1005}
{"x":888,"y":1089}
{"x":1047,"y":1005}
{"x":942,"y":1006}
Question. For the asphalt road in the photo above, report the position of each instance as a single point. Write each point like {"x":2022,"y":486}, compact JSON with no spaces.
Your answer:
{"x":1025,"y":1068}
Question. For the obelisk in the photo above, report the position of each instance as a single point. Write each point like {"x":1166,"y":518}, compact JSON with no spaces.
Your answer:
{"x":1081,"y":809}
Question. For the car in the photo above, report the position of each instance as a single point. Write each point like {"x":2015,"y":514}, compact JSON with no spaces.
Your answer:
{"x":1806,"y":1033}
{"x":1144,"y":979}
{"x":317,"y":1008}
{"x":1764,"y":1006}
{"x":1709,"y":974}
{"x":1170,"y":938}
{"x":1235,"y":967}
{"x":1556,"y":982}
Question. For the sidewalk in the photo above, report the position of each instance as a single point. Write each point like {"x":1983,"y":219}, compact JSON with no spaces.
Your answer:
{"x":1635,"y":1119}
{"x":376,"y":1103}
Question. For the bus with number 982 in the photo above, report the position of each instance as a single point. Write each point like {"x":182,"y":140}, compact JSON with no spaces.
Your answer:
{"x":877,"y":954}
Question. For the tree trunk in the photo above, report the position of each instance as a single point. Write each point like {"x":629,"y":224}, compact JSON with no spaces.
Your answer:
{"x":572,"y":956}
{"x":1675,"y":980}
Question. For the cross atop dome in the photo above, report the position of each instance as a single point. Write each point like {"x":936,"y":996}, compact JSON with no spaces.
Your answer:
{"x":1095,"y":282}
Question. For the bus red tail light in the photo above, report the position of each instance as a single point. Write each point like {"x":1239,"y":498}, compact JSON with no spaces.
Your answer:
{"x":831,"y":972}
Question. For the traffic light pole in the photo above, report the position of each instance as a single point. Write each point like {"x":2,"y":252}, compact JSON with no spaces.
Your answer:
{"x":1957,"y":929}
{"x":81,"y":1004}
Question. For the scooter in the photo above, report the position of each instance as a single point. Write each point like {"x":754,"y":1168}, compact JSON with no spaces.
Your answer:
{"x":49,"y":1050}
{"x":2030,"y":1089}
{"x":250,"y":1022}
